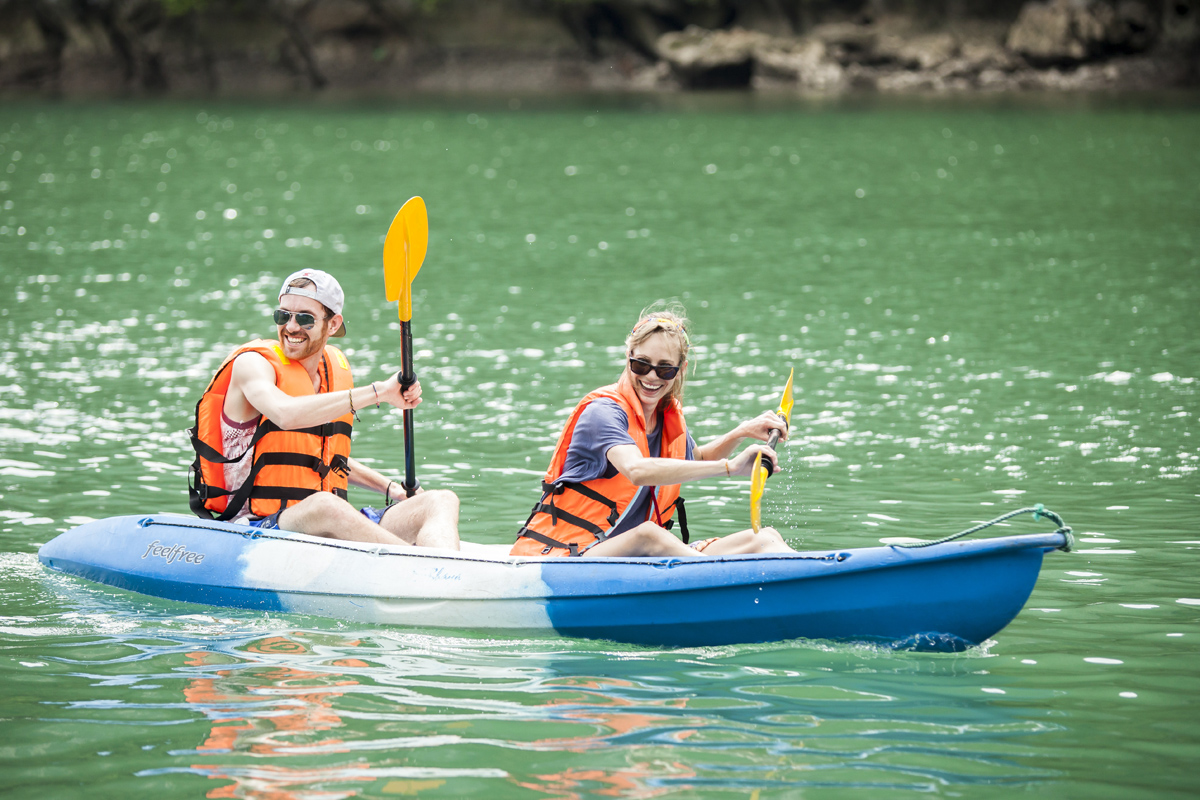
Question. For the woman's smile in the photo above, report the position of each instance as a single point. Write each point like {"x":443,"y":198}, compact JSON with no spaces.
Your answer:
{"x":649,"y":388}
{"x":661,"y":351}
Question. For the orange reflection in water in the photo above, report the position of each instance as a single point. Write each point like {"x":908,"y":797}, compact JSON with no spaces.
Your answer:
{"x":306,"y":709}
{"x":611,"y":723}
{"x":573,"y":784}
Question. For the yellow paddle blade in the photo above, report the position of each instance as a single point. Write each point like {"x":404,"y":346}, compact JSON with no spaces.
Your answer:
{"x":416,"y":217}
{"x":785,"y":404}
{"x":416,"y":242}
{"x":395,"y":258}
{"x":758,"y":482}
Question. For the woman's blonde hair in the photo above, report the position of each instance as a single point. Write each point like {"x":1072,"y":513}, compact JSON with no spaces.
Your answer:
{"x":667,"y":317}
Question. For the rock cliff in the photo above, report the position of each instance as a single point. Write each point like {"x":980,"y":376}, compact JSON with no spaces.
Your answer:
{"x":269,"y":47}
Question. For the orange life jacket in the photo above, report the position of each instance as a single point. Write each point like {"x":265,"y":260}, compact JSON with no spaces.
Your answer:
{"x":571,"y":517}
{"x":288,"y":465}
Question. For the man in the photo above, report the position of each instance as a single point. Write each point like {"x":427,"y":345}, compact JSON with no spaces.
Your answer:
{"x":272,"y":434}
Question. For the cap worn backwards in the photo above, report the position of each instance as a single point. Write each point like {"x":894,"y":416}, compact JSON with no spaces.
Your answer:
{"x":324,"y":289}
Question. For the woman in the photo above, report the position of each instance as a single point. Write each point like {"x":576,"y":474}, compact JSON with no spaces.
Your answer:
{"x":612,"y":487}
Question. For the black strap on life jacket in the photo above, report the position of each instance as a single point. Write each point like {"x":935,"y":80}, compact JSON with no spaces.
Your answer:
{"x":200,"y":492}
{"x":335,"y":428}
{"x":552,"y":490}
{"x":683,"y":528}
{"x":546,"y":505}
{"x":288,"y":494}
{"x":550,"y":542}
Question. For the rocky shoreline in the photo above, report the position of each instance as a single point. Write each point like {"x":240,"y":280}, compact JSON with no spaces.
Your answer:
{"x":114,"y":48}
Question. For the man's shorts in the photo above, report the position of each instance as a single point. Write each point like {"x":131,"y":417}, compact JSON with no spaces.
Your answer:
{"x":375,"y":514}
{"x":270,"y":523}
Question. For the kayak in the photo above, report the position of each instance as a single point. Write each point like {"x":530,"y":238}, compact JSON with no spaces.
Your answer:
{"x":946,"y":596}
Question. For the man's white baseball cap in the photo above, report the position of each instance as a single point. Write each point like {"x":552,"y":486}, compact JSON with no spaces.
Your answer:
{"x":325,"y":290}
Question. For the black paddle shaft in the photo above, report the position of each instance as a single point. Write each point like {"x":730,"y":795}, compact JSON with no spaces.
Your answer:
{"x":407,"y":378}
{"x":772,"y":440}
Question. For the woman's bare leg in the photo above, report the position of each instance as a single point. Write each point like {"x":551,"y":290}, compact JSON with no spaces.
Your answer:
{"x":646,"y":539}
{"x":767,"y":540}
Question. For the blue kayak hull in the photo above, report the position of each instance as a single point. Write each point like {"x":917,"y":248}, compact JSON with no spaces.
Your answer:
{"x":946,"y":596}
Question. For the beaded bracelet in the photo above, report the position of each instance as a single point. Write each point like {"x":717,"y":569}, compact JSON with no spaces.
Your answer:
{"x":350,"y":397}
{"x":376,"y":393}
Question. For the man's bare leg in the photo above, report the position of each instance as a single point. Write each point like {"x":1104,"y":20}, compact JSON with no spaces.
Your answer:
{"x":324,"y":514}
{"x":428,"y":519}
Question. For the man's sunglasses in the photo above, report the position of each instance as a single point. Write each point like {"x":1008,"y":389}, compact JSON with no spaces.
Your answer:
{"x":639,"y":367}
{"x":304,"y":320}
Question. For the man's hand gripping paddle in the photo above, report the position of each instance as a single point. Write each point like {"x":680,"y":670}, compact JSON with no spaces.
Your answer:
{"x":403,"y":253}
{"x":758,"y":477}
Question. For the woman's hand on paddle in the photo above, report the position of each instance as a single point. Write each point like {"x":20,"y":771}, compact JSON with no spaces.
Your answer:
{"x":761,"y":426}
{"x":743,"y":463}
{"x":389,"y":392}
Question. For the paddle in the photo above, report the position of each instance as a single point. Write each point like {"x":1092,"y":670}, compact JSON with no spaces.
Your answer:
{"x":758,"y":482}
{"x":761,"y":471}
{"x":403,"y":253}
{"x":785,"y":410}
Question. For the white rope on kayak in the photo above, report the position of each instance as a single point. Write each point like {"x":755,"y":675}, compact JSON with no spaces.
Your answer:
{"x":1038,"y":512}
{"x":285,"y":536}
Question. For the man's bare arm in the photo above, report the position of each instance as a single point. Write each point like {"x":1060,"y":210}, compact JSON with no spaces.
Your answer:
{"x":252,"y":389}
{"x":364,"y":477}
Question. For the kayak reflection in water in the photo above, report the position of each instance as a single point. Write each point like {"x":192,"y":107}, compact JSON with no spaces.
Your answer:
{"x":612,"y":488}
{"x":272,"y":435}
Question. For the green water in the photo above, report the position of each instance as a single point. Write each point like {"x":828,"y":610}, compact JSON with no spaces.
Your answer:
{"x":988,"y":305}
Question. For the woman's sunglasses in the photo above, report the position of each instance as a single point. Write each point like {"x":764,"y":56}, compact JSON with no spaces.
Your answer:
{"x":304,"y":320}
{"x":639,"y":367}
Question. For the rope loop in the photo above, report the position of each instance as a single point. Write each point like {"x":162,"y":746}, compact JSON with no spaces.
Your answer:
{"x":1038,"y":512}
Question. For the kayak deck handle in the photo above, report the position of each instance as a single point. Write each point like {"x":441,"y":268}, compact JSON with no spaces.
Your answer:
{"x":1038,"y":512}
